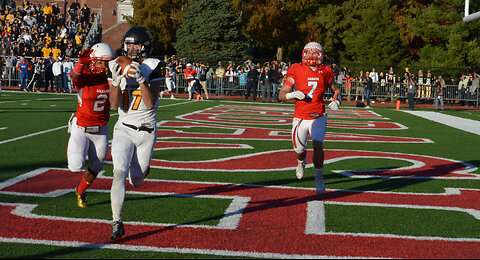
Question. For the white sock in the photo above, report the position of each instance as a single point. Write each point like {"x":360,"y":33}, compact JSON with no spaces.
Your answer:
{"x":117,"y":195}
{"x":304,"y":161}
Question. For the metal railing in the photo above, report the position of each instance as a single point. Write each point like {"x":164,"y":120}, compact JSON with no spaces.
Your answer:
{"x":383,"y":92}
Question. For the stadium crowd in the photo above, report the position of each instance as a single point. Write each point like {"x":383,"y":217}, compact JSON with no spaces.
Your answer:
{"x":37,"y":43}
{"x":264,"y":81}
{"x":35,"y":36}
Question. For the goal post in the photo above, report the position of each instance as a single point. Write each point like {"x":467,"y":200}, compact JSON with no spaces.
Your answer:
{"x":470,"y":17}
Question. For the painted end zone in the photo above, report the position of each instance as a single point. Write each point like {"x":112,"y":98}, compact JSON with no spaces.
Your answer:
{"x":276,"y":222}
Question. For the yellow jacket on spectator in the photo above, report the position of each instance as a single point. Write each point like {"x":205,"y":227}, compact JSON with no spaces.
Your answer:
{"x":9,"y":18}
{"x":78,"y":39}
{"x":47,"y":40}
{"x":47,"y":10}
{"x":46,"y":51}
{"x":220,"y":72}
{"x":56,"y":52}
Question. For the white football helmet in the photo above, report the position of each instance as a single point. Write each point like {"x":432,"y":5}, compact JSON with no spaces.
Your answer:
{"x":312,"y":60}
{"x":100,"y":51}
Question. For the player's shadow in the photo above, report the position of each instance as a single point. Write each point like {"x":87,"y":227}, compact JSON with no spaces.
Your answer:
{"x":383,"y":184}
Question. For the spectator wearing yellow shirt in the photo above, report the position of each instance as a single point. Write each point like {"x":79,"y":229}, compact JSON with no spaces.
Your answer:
{"x":46,"y":51}
{"x":9,"y":18}
{"x":47,"y":39}
{"x":47,"y":9}
{"x":56,"y":52}
{"x":78,"y":39}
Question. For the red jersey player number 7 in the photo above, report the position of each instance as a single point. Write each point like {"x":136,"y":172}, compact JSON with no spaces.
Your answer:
{"x":309,"y":80}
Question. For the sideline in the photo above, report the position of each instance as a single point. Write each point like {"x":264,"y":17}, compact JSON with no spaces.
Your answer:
{"x":468,"y":125}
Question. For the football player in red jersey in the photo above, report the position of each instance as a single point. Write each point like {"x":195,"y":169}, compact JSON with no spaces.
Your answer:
{"x":311,"y":79}
{"x":190,"y":74}
{"x":89,"y":126}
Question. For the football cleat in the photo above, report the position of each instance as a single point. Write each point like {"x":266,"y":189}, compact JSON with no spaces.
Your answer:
{"x":172,"y":97}
{"x":319,"y":183}
{"x":117,"y":230}
{"x":81,"y":199}
{"x":300,"y":170}
{"x":161,"y":94}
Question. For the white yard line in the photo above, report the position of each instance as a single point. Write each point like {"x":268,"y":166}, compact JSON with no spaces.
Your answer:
{"x":468,"y":125}
{"x":61,"y":127}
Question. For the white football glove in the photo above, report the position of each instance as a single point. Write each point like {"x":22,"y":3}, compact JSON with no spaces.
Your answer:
{"x":137,"y":74}
{"x":116,"y":74}
{"x":295,"y":95}
{"x":334,"y":105}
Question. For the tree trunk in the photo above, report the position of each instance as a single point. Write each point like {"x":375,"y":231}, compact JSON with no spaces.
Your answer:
{"x":280,"y":53}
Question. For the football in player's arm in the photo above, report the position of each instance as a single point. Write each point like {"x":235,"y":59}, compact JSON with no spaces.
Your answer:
{"x":309,"y":80}
{"x":89,"y":126}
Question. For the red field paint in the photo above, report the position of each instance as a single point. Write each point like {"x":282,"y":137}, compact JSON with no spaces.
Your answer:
{"x":280,"y":160}
{"x":258,"y":133}
{"x":273,"y":222}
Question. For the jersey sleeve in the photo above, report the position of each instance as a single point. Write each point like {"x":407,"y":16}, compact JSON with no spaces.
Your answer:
{"x":292,"y":71}
{"x":153,"y":69}
{"x":110,"y":68}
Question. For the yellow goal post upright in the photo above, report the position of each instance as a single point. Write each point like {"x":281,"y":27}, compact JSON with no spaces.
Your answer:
{"x":469,"y":17}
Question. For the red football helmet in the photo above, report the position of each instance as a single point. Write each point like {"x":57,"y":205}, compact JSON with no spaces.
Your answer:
{"x":100,"y":51}
{"x":312,"y":60}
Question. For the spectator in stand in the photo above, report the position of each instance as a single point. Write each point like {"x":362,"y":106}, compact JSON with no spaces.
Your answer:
{"x":462,"y":89}
{"x":10,"y":63}
{"x":252,"y":82}
{"x":266,"y":77}
{"x":277,"y":82}
{"x":368,"y":89}
{"x":219,"y":74}
{"x":411,"y":89}
{"x":451,"y":91}
{"x":47,"y":51}
{"x":67,"y":79}
{"x":421,"y":85}
{"x":85,"y":11}
{"x":472,"y":89}
{"x":429,"y":81}
{"x":242,"y":78}
{"x":390,"y":79}
{"x":29,"y":20}
{"x":439,"y":87}
{"x":73,"y":11}
{"x":360,"y":86}
{"x":56,"y":52}
{"x":23,"y":67}
{"x":210,"y":74}
{"x":69,"y":50}
{"x":230,"y":75}
{"x":57,"y":71}
{"x":78,"y":40}
{"x":375,"y":79}
{"x":47,"y":39}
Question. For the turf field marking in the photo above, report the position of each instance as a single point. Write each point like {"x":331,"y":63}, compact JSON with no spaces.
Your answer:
{"x":274,"y":222}
{"x":259,"y":133}
{"x":468,"y":125}
{"x":423,"y":167}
